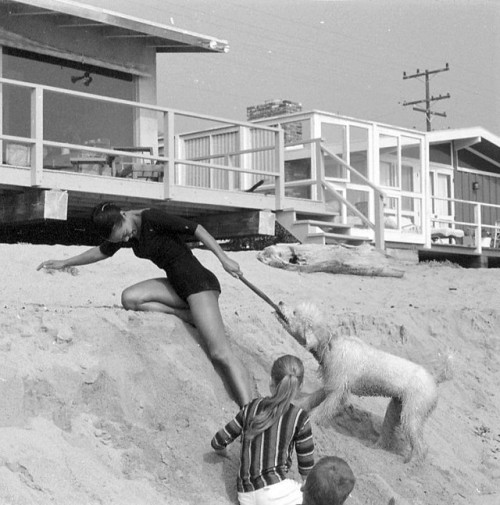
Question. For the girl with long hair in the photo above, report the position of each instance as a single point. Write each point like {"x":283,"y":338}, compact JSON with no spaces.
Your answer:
{"x":189,"y":291}
{"x":270,"y":428}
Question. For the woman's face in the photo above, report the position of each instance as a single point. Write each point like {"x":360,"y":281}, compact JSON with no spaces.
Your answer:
{"x":124,"y":230}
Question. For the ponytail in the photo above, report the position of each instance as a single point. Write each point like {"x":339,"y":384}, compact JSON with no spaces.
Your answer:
{"x":287,"y":373}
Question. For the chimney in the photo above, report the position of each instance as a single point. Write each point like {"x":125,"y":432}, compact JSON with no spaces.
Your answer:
{"x":272,"y":108}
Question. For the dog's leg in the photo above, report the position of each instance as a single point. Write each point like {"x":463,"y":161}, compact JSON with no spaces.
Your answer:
{"x":415,"y":433}
{"x":312,"y":400}
{"x":391,"y":421}
{"x":413,"y":427}
{"x":413,"y":417}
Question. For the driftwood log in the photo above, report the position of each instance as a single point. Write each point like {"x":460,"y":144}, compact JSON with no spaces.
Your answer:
{"x":336,"y":259}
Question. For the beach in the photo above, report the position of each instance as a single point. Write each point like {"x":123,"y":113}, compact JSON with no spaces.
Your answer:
{"x":100,"y":405}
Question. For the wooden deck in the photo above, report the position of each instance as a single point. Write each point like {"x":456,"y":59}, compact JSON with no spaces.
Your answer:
{"x":462,"y":254}
{"x":224,"y":213}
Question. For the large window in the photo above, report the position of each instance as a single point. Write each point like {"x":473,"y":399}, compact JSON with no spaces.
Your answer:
{"x":335,"y":140}
{"x":400,"y":172}
{"x":67,"y":119}
{"x":358,"y":153}
{"x":388,"y":153}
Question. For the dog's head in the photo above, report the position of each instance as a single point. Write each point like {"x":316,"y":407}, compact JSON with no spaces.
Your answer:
{"x":305,"y":323}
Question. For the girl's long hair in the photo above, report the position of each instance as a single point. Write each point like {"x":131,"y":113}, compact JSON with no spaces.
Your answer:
{"x":287,"y":373}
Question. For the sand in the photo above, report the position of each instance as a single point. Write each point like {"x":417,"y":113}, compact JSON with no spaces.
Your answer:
{"x":103,"y":406}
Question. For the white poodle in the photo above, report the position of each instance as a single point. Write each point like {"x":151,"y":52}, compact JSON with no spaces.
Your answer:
{"x":349,"y":365}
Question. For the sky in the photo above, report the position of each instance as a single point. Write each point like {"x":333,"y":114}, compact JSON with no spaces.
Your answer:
{"x":339,"y":56}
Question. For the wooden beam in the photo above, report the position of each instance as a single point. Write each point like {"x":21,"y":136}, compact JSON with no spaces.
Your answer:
{"x":33,"y":205}
{"x":239,"y":224}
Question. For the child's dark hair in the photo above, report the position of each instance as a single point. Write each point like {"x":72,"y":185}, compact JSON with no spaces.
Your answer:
{"x":287,"y":373}
{"x":105,"y":216}
{"x":329,"y":482}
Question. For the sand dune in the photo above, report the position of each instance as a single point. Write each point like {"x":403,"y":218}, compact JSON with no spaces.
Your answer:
{"x":103,"y":406}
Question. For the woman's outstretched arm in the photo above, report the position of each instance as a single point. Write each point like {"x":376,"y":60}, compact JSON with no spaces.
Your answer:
{"x":85,"y":258}
{"x":229,"y":265}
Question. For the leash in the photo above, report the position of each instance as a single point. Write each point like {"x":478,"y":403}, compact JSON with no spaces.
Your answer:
{"x":260,"y":293}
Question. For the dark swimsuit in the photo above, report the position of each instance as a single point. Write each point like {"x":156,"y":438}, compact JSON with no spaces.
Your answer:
{"x":160,"y":241}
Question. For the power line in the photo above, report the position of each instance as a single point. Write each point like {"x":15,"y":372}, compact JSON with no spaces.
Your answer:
{"x":428,"y":98}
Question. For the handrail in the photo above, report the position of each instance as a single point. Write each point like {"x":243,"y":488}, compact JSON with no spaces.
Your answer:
{"x":352,"y":169}
{"x":36,"y":140}
{"x":221,"y":167}
{"x":347,"y":203}
{"x":477,"y":224}
{"x":116,"y":152}
{"x":131,"y":103}
{"x":306,"y":141}
{"x":378,"y":226}
{"x":233,"y":153}
{"x":471,"y":202}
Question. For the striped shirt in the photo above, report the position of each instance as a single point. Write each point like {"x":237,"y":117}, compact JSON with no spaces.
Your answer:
{"x":266,"y":459}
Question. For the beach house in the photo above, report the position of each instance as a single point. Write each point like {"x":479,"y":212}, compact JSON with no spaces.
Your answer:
{"x":80,"y":123}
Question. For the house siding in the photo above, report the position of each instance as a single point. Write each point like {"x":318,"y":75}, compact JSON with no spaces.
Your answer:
{"x":488,"y":192}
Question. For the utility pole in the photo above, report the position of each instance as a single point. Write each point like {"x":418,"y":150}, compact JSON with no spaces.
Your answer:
{"x":428,"y":98}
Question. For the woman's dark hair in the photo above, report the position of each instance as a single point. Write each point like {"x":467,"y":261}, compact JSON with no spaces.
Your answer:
{"x":105,"y":216}
{"x":287,"y":373}
{"x":329,"y":482}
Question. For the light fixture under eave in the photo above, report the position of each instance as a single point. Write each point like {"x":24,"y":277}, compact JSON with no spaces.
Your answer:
{"x":86,"y":77}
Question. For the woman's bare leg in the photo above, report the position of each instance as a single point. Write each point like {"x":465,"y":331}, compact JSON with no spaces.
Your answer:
{"x":156,"y":295}
{"x":208,"y":320}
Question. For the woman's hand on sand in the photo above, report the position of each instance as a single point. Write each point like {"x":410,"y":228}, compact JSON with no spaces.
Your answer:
{"x":52,"y":265}
{"x":232,"y":267}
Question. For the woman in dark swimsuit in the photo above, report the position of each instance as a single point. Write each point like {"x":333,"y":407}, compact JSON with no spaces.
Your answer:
{"x":190,"y":291}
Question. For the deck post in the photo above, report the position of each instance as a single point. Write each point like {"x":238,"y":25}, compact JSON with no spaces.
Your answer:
{"x":477,"y":220}
{"x":379,"y":221}
{"x":320,"y":171}
{"x":279,"y":160}
{"x":37,"y":135}
{"x":169,"y":139}
{"x":228,"y":160}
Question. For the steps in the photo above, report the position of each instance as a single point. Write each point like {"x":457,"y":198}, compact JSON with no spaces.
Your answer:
{"x":318,"y":228}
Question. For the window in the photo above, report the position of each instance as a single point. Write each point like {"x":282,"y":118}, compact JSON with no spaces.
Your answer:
{"x":389,"y":159}
{"x":358,"y":152}
{"x":66,"y":118}
{"x":388,"y":174}
{"x":335,"y":140}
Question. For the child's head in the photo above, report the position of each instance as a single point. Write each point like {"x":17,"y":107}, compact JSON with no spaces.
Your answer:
{"x":105,"y":217}
{"x":329,"y":482}
{"x":287,"y":374}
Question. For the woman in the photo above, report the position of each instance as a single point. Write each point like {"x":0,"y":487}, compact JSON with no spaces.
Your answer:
{"x":190,"y":291}
{"x":270,"y":428}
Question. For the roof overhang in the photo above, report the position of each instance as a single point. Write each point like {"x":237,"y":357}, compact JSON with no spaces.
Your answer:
{"x":477,"y":140}
{"x":77,"y":16}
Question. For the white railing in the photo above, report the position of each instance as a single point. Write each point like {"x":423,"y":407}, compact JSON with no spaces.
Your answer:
{"x":476,"y":226}
{"x":322,"y":186}
{"x":168,"y":121}
{"x":379,"y":195}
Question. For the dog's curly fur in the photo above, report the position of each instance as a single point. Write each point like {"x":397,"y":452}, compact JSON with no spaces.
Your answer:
{"x":349,"y":365}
